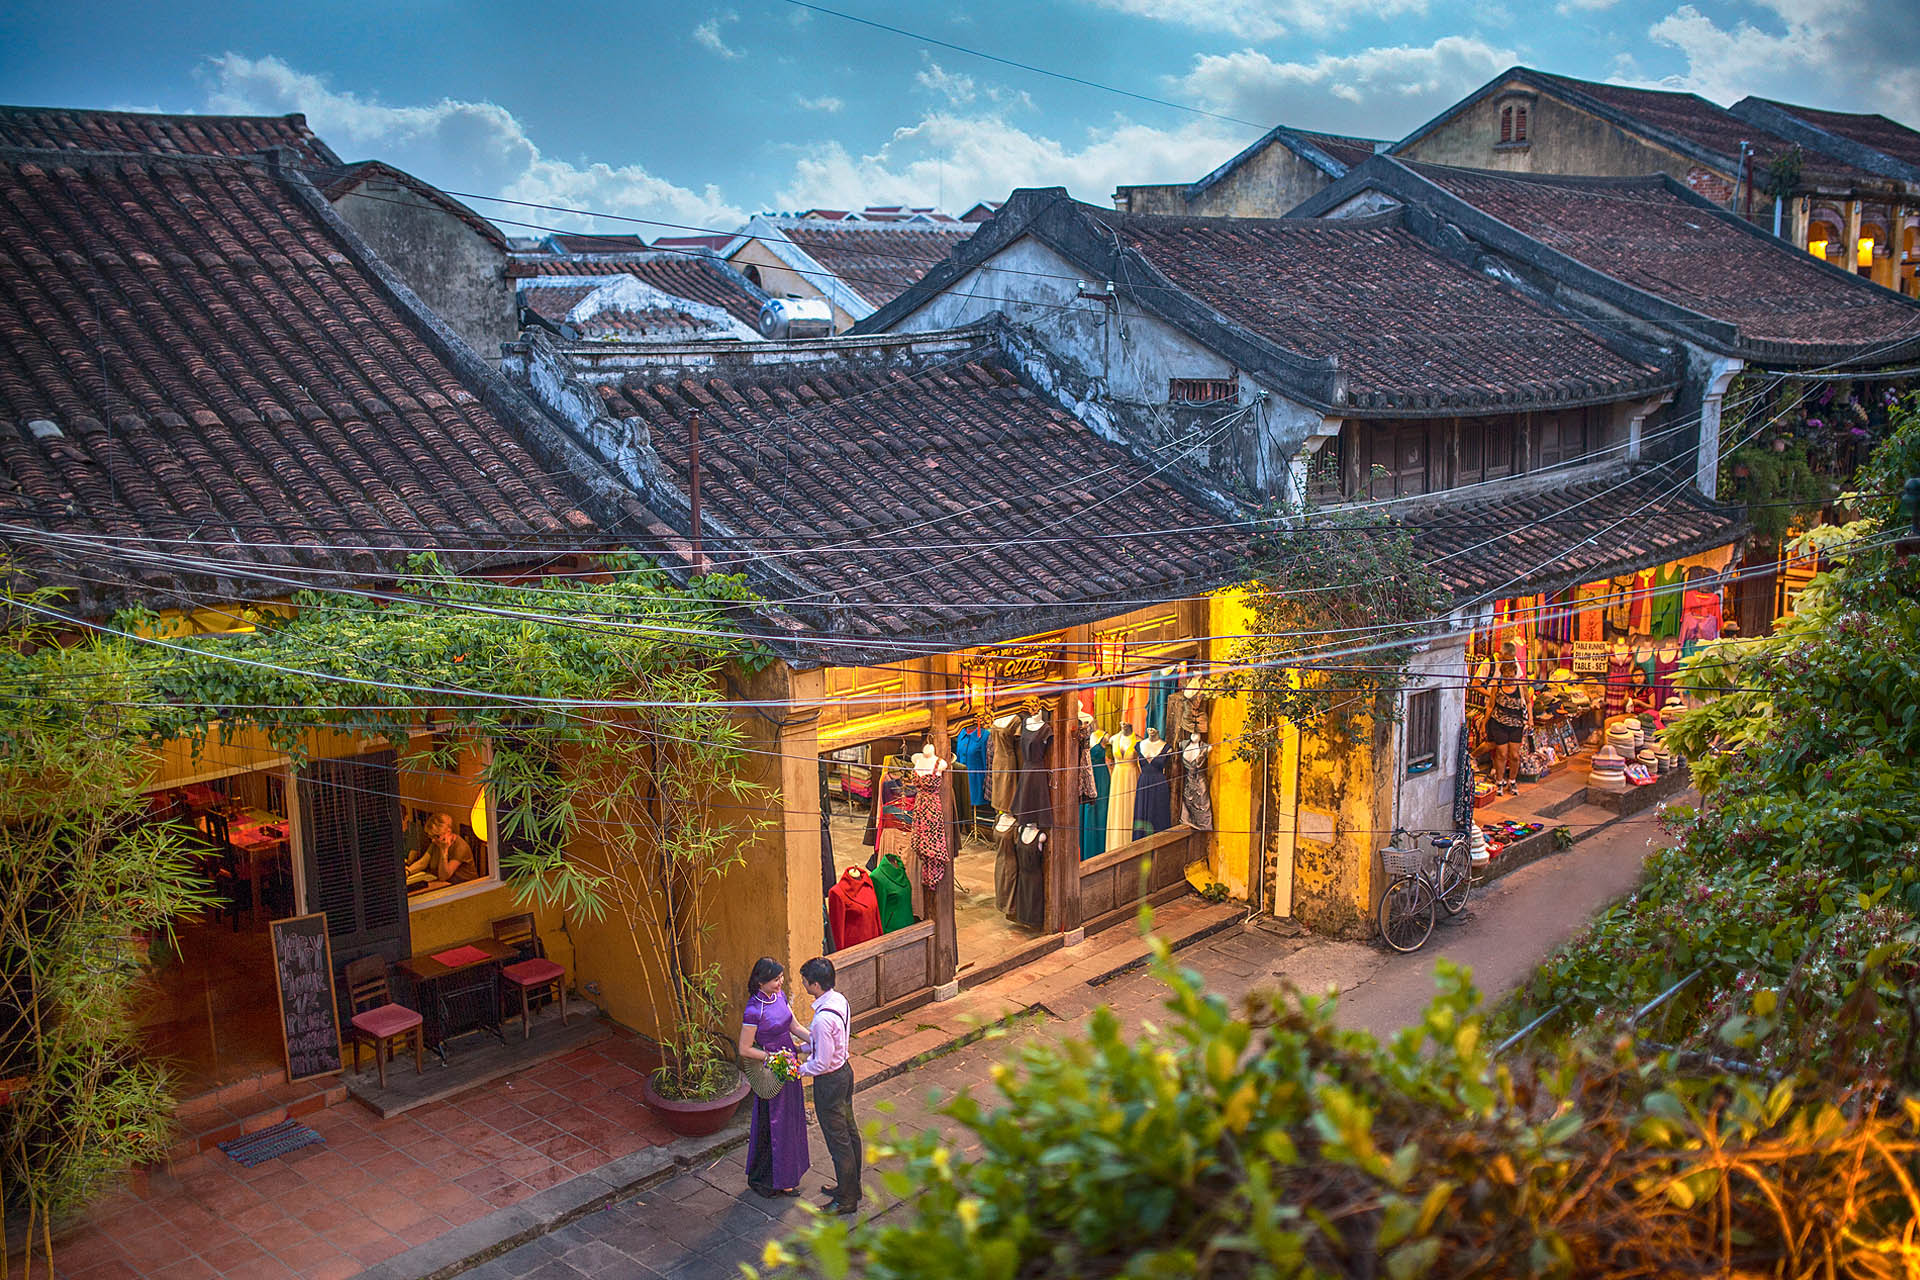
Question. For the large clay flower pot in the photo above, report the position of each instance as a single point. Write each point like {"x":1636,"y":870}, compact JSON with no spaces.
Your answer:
{"x":697,"y":1118}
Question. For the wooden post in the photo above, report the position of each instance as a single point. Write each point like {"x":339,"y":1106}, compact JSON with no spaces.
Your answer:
{"x":1063,"y":841}
{"x":1802,"y":209}
{"x":946,"y":940}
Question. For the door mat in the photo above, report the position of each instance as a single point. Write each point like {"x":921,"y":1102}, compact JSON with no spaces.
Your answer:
{"x":270,"y":1142}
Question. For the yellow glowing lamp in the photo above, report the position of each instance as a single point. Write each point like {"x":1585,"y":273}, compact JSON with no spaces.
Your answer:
{"x":1818,"y":248}
{"x":478,"y":818}
{"x":1865,"y":251}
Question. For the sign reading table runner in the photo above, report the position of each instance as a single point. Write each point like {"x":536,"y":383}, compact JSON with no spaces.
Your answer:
{"x":460,"y":955}
{"x":309,"y":1017}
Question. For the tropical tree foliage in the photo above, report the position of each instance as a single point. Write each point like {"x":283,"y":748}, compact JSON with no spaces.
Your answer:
{"x":1272,"y":1144}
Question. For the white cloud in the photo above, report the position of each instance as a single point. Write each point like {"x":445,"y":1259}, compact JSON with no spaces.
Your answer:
{"x":1850,"y":55}
{"x":957,"y":159}
{"x":957,"y":88}
{"x":828,"y":103}
{"x":1382,"y":92}
{"x":1567,"y":8}
{"x":1263,"y":19}
{"x":463,"y":146}
{"x":707,"y":35}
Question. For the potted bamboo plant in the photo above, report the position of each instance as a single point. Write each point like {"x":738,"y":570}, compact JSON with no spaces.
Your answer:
{"x":653,"y":802}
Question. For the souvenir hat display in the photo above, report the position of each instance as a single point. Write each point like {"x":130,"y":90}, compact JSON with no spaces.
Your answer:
{"x":1665,"y":757}
{"x":1477,"y":846}
{"x":1609,"y":770}
{"x":1621,"y":736}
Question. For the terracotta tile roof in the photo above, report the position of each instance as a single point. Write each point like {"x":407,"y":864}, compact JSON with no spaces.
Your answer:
{"x":190,"y":349}
{"x":698,"y":277}
{"x":878,"y":263}
{"x":1348,"y":151}
{"x":553,"y":301}
{"x":1888,"y":137}
{"x":73,"y":129}
{"x":1644,"y":234}
{"x":598,"y":243}
{"x":716,"y":242}
{"x":936,"y":500}
{"x":1549,"y":539}
{"x":1709,"y":127}
{"x":1406,"y":324}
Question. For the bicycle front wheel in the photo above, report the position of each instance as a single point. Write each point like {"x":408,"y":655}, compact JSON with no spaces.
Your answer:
{"x":1453,"y":876}
{"x":1406,"y":913}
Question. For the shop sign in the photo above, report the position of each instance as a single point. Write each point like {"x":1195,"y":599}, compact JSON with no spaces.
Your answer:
{"x":1011,"y":663}
{"x":1590,"y":657}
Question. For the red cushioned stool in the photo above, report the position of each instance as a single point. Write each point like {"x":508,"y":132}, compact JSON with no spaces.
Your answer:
{"x":377,"y":1020}
{"x":534,"y":974}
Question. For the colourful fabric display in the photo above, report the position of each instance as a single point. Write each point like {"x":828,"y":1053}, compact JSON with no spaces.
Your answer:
{"x":1667,"y":590}
{"x":1093,"y":813}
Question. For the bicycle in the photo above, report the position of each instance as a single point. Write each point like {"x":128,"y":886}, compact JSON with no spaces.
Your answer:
{"x":1421,"y":882}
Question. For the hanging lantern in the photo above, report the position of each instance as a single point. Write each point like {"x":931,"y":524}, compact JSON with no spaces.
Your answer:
{"x":478,"y":818}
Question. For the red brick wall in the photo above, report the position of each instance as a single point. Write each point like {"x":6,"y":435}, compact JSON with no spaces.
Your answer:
{"x":1707,"y":183}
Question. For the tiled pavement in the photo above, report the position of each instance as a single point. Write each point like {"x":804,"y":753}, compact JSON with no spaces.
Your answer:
{"x":375,"y":1188}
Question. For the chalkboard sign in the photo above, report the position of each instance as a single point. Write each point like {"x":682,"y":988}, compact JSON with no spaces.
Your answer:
{"x":309,"y":1018}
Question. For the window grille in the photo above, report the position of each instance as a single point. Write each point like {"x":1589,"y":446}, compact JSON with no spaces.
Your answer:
{"x":1423,"y":730}
{"x":1202,"y":390}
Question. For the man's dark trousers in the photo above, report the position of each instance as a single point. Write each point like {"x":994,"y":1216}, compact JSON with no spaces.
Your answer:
{"x":833,"y":1104}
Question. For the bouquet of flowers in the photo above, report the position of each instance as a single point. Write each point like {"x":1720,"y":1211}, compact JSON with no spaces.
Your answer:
{"x":785,"y":1067}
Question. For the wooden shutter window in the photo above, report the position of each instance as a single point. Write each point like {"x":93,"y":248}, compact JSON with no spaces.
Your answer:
{"x":1506,"y":124}
{"x":1423,"y":730}
{"x":350,"y":823}
{"x":1519,"y":124}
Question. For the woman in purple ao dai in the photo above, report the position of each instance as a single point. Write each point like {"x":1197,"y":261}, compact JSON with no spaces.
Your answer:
{"x":777,"y":1138}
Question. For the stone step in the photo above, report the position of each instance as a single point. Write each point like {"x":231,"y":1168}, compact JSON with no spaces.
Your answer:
{"x":247,"y":1107}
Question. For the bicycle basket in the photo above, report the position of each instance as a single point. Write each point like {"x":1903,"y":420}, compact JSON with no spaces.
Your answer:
{"x":1402,"y":862}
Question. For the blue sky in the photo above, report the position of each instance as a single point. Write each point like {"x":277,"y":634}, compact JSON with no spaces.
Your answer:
{"x":696,"y":115}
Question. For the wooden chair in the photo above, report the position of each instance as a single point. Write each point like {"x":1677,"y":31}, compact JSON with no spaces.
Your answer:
{"x":233,"y":871}
{"x":377,"y":1020}
{"x":534,"y":972}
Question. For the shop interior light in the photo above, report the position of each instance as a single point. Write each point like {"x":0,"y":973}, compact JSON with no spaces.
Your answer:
{"x":1818,"y":248}
{"x":1866,"y":251}
{"x":478,"y":818}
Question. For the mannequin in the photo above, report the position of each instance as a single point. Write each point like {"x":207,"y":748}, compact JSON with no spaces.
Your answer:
{"x":932,"y":847}
{"x":1666,"y":667}
{"x":1029,"y":886}
{"x":1005,"y":736}
{"x":1004,"y":867}
{"x":1196,"y":805}
{"x":1093,"y":809}
{"x":1033,"y":793}
{"x":1153,"y":797}
{"x":1124,"y":778}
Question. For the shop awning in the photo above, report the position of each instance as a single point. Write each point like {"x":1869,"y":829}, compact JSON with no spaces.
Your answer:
{"x":1549,"y":539}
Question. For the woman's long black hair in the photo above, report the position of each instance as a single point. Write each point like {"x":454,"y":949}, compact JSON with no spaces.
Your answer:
{"x":765,"y":969}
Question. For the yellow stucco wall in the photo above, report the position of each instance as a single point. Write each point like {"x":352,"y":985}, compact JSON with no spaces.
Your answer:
{"x":1231,"y":780}
{"x":1343,"y":815}
{"x":1560,"y":139}
{"x":747,"y":910}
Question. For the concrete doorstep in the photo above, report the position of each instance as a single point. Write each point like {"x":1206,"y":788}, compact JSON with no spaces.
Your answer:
{"x":899,"y":1049}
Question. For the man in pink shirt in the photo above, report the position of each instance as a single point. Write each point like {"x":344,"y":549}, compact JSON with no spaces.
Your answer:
{"x":830,"y":1038}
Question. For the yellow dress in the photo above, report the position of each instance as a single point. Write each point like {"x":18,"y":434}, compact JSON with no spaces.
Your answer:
{"x":1123,"y":780}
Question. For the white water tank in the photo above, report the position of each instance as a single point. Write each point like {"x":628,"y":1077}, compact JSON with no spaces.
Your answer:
{"x":796,"y":318}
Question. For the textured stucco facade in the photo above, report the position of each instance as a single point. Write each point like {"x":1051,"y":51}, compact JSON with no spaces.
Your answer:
{"x":455,"y":270}
{"x":1125,"y":359}
{"x":1560,"y":139}
{"x":1264,"y":185}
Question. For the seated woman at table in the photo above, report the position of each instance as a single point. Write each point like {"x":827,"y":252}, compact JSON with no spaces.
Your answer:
{"x":442,"y":857}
